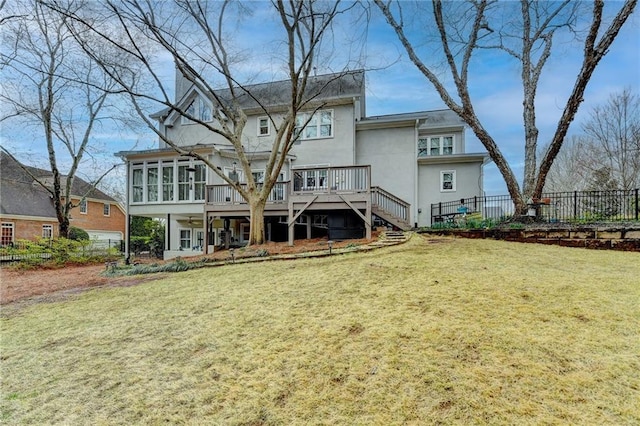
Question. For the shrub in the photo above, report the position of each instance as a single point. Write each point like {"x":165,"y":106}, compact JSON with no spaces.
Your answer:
{"x":77,"y":234}
{"x":140,"y":244}
{"x":262,"y":253}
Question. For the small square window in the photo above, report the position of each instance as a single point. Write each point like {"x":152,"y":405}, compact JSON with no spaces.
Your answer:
{"x":83,"y":206}
{"x":106,"y":209}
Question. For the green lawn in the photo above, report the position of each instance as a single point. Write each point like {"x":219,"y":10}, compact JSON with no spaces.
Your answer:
{"x":432,"y":331}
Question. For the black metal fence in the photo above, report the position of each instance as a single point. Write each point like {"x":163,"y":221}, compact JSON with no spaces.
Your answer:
{"x":554,"y":207}
{"x":23,"y":250}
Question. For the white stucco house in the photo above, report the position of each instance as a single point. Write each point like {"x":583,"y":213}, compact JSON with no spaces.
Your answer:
{"x":347,"y":172}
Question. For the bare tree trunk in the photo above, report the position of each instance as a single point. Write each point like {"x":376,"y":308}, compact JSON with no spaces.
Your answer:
{"x":256,"y":232}
{"x":468,"y":27}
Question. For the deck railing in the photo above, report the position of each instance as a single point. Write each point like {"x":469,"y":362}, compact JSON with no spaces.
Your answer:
{"x":328,"y":180}
{"x":225,"y":194}
{"x":560,"y":207}
{"x":324,"y":180}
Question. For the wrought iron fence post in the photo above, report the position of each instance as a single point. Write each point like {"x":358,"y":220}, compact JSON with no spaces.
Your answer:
{"x":575,"y":205}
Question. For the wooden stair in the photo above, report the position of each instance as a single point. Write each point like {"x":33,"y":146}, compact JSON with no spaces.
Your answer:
{"x":390,"y":208}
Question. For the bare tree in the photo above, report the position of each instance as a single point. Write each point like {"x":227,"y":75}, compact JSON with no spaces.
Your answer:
{"x":613,"y":130}
{"x":573,"y":167}
{"x":49,"y":83}
{"x":198,"y":37}
{"x":609,"y":143}
{"x":526,"y":35}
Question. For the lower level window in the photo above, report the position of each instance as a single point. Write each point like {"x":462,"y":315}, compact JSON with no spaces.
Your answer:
{"x":47,"y":231}
{"x":7,"y":233}
{"x":185,"y":239}
{"x":448,"y":180}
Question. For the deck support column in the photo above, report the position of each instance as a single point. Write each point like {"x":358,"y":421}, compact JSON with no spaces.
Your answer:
{"x":291,"y":224}
{"x":367,"y":223}
{"x":309,"y":226}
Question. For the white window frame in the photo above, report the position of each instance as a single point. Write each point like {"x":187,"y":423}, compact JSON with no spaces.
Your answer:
{"x":258,"y":176}
{"x":106,"y":209}
{"x":12,"y":232}
{"x":47,"y":231}
{"x":314,"y":122}
{"x":167,"y":185}
{"x":197,"y":108}
{"x":186,"y":182}
{"x":150,"y":187}
{"x":219,"y":233}
{"x":139,"y":186}
{"x":314,"y":177}
{"x":199,"y":183}
{"x":182,"y":240}
{"x":170,"y":185}
{"x":83,"y":206}
{"x":425,"y":147}
{"x":443,"y":181}
{"x":266,"y":127}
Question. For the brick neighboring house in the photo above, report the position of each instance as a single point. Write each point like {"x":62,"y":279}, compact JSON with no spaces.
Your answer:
{"x":27,"y":211}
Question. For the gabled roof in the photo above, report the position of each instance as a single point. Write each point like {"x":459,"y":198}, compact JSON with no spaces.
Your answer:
{"x":322,"y":88}
{"x":21,"y":195}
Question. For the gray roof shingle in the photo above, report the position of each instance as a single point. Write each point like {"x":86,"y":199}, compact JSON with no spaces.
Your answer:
{"x":21,"y":195}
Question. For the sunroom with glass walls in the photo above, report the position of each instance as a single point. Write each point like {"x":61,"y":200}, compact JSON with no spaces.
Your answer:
{"x":167,"y":181}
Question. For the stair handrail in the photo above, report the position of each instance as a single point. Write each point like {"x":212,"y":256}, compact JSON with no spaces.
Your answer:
{"x":391,"y":204}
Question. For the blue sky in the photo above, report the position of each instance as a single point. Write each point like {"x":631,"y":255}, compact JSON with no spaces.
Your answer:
{"x":399,"y":87}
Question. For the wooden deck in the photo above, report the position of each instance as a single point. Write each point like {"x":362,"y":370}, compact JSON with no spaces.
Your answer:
{"x":314,"y":189}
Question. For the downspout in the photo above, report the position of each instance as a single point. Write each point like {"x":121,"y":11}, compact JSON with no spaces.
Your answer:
{"x":357,"y":116}
{"x":416,"y":184}
{"x":127,"y":224}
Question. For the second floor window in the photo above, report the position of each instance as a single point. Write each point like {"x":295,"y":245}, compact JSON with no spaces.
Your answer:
{"x":320,"y":125}
{"x":263,"y":126}
{"x":137,"y":185}
{"x":167,"y":182}
{"x":435,"y":145}
{"x":183,"y":182}
{"x":152,"y":184}
{"x":199,"y":181}
{"x":83,"y":206}
{"x":106,"y":209}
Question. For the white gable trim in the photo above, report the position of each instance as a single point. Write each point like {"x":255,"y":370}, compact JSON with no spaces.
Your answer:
{"x":191,"y":95}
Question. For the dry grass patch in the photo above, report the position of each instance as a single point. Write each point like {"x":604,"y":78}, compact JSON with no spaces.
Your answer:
{"x":466,"y":331}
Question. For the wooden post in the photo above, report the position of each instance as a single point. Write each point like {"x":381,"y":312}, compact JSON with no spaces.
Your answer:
{"x":291,"y":224}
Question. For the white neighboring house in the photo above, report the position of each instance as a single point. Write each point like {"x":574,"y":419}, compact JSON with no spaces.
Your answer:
{"x":346,"y":173}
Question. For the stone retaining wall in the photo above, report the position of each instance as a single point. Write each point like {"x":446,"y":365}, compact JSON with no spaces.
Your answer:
{"x":594,"y":237}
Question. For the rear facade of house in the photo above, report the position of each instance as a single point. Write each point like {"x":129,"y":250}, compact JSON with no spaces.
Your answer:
{"x":347,"y":172}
